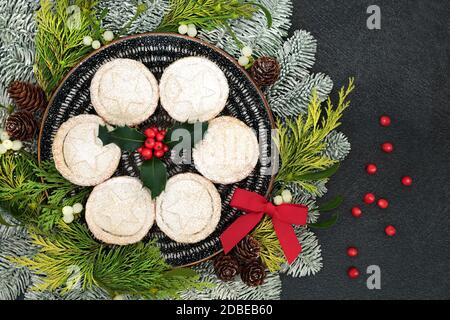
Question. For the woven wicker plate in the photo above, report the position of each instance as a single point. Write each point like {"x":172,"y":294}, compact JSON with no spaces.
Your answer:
{"x":157,"y":51}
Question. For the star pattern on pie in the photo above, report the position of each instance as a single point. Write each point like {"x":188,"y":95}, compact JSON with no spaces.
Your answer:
{"x":189,"y":209}
{"x":121,"y":208}
{"x":198,"y":84}
{"x":197,"y":212}
{"x":92,"y":158}
{"x":125,"y":92}
{"x":120,"y":211}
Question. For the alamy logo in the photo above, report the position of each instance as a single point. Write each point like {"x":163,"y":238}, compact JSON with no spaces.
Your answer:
{"x":374,"y":280}
{"x":374,"y":20}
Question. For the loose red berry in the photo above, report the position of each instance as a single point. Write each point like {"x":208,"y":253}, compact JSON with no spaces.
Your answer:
{"x":160,"y":137}
{"x":385,"y":121}
{"x":407,"y":181}
{"x":387,"y":147}
{"x":390,"y":231}
{"x":139,"y":150}
{"x":165,"y":148}
{"x":352,"y":252}
{"x":382,"y":203}
{"x":147,"y":154}
{"x":150,"y":143}
{"x":149,"y":133}
{"x":371,"y":169}
{"x":369,"y":198}
{"x":159,"y":153}
{"x":353,"y":272}
{"x":158,"y":145}
{"x":356,"y":212}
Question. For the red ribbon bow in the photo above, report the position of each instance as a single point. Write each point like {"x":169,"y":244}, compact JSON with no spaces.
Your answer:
{"x":283,"y":217}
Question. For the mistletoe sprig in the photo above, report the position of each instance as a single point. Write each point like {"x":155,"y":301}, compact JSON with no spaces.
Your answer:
{"x":153,"y":171}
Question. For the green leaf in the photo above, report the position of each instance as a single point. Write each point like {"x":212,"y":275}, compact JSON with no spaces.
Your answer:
{"x":320,"y":174}
{"x":196,"y":132}
{"x":181,"y":272}
{"x":154,"y":176}
{"x":331,"y":205}
{"x":266,"y":13}
{"x":128,"y":139}
{"x":326,"y":224}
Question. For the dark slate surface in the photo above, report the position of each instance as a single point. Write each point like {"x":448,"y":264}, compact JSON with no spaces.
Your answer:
{"x":403,"y":70}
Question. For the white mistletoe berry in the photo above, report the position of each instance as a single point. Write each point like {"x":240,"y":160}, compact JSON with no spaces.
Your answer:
{"x":243,"y":61}
{"x":278,"y":200}
{"x":183,"y":29}
{"x":96,"y":44}
{"x":4,"y":136}
{"x":247,"y":51}
{"x":192,"y":30}
{"x":68,"y":218}
{"x":287,"y":196}
{"x":2,"y":149}
{"x":67,"y":210}
{"x":77,"y":208}
{"x":87,"y":40}
{"x":17,"y":145}
{"x":108,"y":35}
{"x":7,"y":144}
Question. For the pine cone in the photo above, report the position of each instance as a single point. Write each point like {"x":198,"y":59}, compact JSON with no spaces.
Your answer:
{"x":21,"y":125}
{"x":226,"y":267}
{"x":265,"y":71}
{"x":253,"y":274}
{"x":247,"y":250}
{"x":27,"y":96}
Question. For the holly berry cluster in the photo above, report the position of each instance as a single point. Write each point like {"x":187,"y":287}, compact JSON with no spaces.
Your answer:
{"x":370,"y":198}
{"x":154,"y":144}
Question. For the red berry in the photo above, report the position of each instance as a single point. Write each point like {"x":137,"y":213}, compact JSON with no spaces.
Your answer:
{"x":387,"y":147}
{"x":147,"y":154}
{"x":371,"y":169}
{"x":158,"y":145}
{"x":352,"y":252}
{"x":165,"y":148}
{"x":407,"y":181}
{"x":382,"y":203}
{"x":356,"y":212}
{"x":150,"y":143}
{"x":149,"y":133}
{"x":369,"y":198}
{"x":155,"y":129}
{"x":139,"y":150}
{"x":160,"y":137}
{"x":390,"y":231}
{"x":353,"y":272}
{"x":385,"y":121}
{"x":159,"y":153}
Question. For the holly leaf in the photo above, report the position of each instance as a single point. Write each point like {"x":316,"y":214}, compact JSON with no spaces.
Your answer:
{"x":326,"y":224}
{"x":331,"y":205}
{"x":126,"y":138}
{"x":196,"y":133}
{"x":154,"y":176}
{"x":320,"y":174}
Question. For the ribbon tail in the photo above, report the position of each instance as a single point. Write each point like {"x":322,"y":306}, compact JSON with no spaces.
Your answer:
{"x":238,"y":230}
{"x":288,"y":240}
